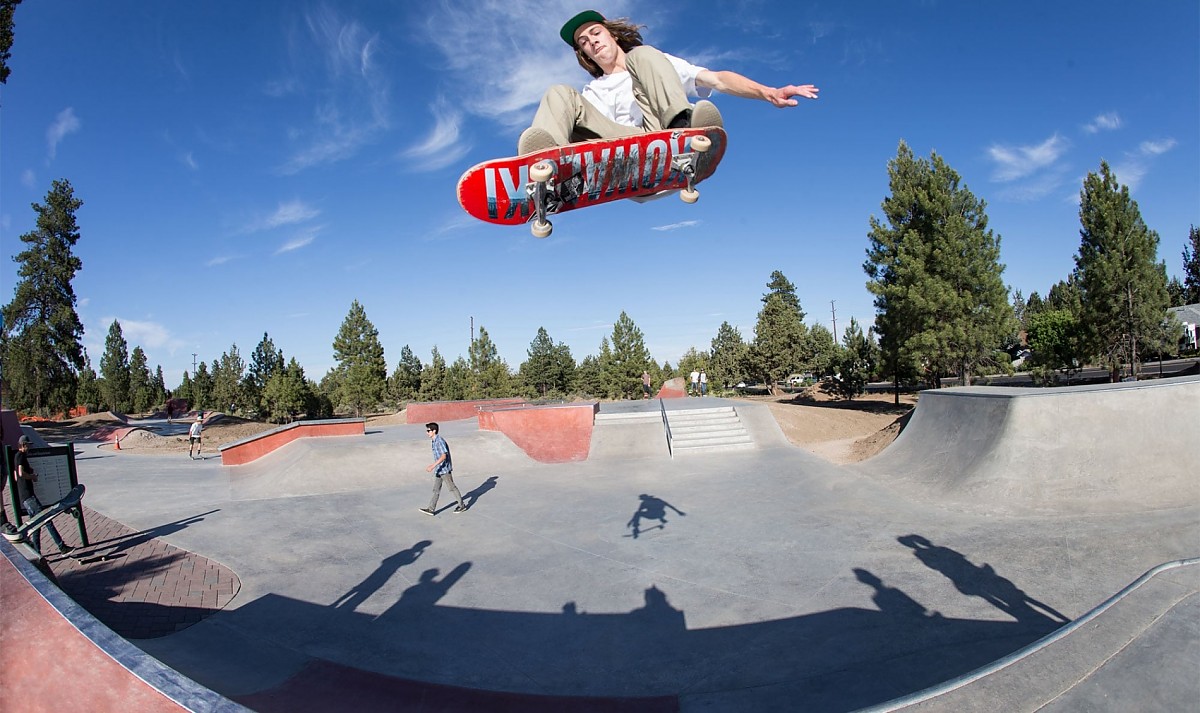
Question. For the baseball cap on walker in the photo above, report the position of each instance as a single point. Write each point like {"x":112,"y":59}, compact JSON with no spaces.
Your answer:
{"x":568,"y":30}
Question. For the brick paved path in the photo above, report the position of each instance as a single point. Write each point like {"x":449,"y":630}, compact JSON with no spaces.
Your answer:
{"x":138,"y":585}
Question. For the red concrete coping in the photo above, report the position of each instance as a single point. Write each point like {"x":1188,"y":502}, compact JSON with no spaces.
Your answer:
{"x":57,"y":657}
{"x":257,"y":446}
{"x":559,"y":433}
{"x":438,"y":411}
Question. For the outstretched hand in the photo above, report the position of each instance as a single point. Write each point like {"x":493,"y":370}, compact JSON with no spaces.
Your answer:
{"x":783,"y":96}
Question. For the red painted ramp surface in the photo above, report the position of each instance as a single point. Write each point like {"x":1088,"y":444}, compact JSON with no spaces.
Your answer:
{"x":548,"y":434}
{"x":50,"y":665}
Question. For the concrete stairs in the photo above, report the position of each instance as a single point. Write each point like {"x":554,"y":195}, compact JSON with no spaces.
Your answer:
{"x":707,"y":430}
{"x":693,"y":430}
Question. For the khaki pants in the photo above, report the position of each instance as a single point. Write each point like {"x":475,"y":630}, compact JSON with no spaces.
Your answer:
{"x":568,"y":117}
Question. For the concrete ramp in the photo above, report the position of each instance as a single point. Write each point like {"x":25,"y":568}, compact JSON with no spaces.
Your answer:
{"x":1088,"y":449}
{"x":317,"y":466}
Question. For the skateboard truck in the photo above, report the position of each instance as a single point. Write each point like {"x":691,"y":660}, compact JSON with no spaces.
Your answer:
{"x":541,"y":180}
{"x":686,"y":164}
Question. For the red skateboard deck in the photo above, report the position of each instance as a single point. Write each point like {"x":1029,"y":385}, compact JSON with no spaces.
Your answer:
{"x":503,"y":191}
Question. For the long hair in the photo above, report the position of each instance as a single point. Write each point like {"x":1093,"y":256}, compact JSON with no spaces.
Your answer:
{"x":624,"y":32}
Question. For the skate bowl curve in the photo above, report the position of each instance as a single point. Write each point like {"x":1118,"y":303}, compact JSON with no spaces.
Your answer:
{"x":1110,"y":448}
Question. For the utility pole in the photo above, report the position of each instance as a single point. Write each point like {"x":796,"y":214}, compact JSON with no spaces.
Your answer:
{"x":193,"y":364}
{"x":833,"y":308}
{"x":472,"y":339}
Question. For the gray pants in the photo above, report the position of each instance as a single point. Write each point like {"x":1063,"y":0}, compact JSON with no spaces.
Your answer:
{"x":437,"y":489}
{"x":568,"y":117}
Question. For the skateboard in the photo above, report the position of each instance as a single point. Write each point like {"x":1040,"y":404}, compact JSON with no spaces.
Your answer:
{"x":527,"y":189}
{"x":39,"y":521}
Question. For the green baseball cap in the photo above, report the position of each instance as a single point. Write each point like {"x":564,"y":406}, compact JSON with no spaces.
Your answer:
{"x":568,"y":30}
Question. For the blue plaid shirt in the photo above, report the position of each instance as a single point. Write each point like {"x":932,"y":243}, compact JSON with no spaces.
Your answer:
{"x":440,"y":447}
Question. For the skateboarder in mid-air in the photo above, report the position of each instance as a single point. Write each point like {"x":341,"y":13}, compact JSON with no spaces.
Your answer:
{"x":635,"y":89}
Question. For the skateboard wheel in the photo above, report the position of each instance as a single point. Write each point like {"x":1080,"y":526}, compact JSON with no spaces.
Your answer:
{"x":541,"y":228}
{"x":700,"y":144}
{"x":689,"y":195}
{"x":541,"y":172}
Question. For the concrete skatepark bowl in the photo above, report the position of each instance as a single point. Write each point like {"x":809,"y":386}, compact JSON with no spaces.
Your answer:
{"x":983,"y":548}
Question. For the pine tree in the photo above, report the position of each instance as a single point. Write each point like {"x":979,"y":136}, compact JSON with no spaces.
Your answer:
{"x":433,"y":378}
{"x":141,"y":387}
{"x":549,"y":369}
{"x":114,"y":369}
{"x":1191,"y":268}
{"x":228,"y":375}
{"x":825,"y":353}
{"x":781,"y":342}
{"x":265,"y":361}
{"x":88,"y":393}
{"x":728,"y":357}
{"x":1124,"y":289}
{"x":40,"y":342}
{"x":287,"y":393}
{"x":626,"y":361}
{"x":405,"y":382}
{"x":935,"y":272}
{"x":589,"y":379}
{"x":185,"y":391}
{"x":458,"y":379}
{"x":202,"y":388}
{"x":489,"y":376}
{"x":362,"y":369}
{"x":854,"y":361}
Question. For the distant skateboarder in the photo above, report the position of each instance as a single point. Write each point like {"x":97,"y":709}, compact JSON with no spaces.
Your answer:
{"x":195,"y":438}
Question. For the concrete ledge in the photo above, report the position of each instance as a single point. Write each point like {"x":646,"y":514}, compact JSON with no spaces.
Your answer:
{"x":560,"y":433}
{"x":257,"y":446}
{"x":49,"y":641}
{"x":438,"y":411}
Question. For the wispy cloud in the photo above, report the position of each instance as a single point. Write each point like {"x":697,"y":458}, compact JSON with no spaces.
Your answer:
{"x":443,"y":145}
{"x":292,"y":212}
{"x":1134,"y":166}
{"x":141,"y":333}
{"x":300,"y":239}
{"x":1104,"y":122}
{"x":1014,"y":162}
{"x":64,"y":124}
{"x":354,"y":105}
{"x":677,"y":226}
{"x":219,"y":260}
{"x":188,"y":159}
{"x":518,"y":70}
{"x":28,"y":178}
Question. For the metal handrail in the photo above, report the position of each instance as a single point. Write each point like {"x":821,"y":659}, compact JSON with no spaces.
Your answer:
{"x":666,"y":426}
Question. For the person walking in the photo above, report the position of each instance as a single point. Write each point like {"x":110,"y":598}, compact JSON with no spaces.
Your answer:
{"x":443,"y":469}
{"x":26,"y":477}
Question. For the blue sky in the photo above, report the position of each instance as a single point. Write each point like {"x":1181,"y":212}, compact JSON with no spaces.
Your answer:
{"x":251,"y":167}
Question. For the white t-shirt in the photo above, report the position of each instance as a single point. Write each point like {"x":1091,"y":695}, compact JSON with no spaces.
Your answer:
{"x":612,"y":94}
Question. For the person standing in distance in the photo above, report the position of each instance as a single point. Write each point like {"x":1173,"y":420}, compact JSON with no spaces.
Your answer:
{"x":442,"y":468}
{"x":194,"y":437}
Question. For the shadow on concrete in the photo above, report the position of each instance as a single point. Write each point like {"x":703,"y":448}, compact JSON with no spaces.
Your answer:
{"x":362,"y":591}
{"x":646,"y":659}
{"x":650,"y":508}
{"x":981,"y":581}
{"x":480,"y":490}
